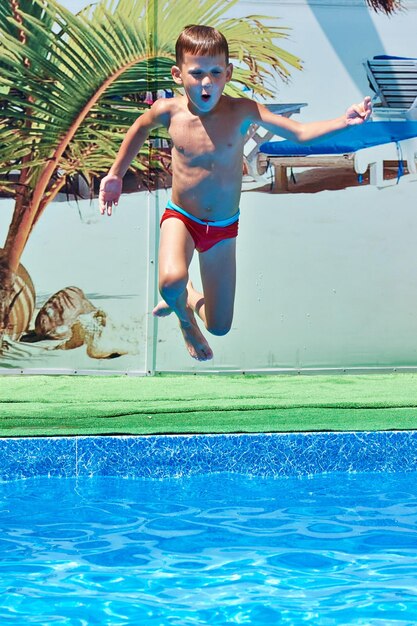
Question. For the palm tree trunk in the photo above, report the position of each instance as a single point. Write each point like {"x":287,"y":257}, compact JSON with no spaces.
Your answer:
{"x":10,"y":256}
{"x":7,"y":279}
{"x":25,"y":216}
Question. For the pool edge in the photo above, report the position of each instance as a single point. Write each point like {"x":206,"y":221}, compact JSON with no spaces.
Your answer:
{"x":167,"y":456}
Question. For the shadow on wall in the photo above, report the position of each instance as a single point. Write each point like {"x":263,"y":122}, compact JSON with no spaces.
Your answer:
{"x":341,"y":38}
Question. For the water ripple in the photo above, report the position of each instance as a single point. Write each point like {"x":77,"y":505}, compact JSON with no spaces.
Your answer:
{"x":209,"y":550}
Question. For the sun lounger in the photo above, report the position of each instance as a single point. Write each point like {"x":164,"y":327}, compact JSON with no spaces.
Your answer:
{"x":394,"y":81}
{"x":258,"y":135}
{"x":359,"y":147}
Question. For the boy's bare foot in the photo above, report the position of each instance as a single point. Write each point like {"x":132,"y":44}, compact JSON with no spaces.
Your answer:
{"x":162,"y":309}
{"x":196,"y":344}
{"x":195,"y":341}
{"x":194,"y":298}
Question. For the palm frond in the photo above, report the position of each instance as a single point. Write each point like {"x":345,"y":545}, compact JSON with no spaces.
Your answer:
{"x":385,"y":6}
{"x":67,"y":77}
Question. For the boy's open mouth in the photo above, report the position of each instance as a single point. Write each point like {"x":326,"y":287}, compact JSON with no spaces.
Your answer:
{"x":206,"y":96}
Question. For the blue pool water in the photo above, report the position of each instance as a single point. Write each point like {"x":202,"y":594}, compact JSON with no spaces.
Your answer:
{"x":213,"y":549}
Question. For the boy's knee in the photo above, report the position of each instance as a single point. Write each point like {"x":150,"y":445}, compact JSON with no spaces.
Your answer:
{"x":219,"y":329}
{"x":172,"y":283}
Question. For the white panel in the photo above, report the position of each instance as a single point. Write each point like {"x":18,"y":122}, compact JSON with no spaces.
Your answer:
{"x":105,"y":257}
{"x":325,"y":280}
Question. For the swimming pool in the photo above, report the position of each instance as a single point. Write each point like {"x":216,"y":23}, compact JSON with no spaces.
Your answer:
{"x":251,"y":529}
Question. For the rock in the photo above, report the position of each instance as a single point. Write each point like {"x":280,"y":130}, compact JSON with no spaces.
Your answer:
{"x":102,"y":337}
{"x":59,"y":313}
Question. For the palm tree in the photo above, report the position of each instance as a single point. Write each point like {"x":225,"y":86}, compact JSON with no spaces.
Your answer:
{"x":385,"y":6}
{"x":65,"y":92}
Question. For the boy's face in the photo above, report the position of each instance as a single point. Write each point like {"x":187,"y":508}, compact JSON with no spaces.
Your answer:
{"x":203,"y":79}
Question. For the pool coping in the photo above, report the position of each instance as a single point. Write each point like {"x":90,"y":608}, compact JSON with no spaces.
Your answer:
{"x":170,"y":456}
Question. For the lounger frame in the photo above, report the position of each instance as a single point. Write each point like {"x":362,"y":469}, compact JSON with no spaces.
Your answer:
{"x":372,"y":158}
{"x":395,"y":84}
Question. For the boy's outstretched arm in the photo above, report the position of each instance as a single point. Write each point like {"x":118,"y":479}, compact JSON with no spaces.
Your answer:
{"x":305,"y":132}
{"x":111,"y":185}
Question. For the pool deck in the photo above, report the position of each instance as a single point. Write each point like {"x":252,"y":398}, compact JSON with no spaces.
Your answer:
{"x":181,"y":404}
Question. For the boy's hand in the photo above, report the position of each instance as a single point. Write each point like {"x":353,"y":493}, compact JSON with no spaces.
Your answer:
{"x":110,"y":190}
{"x":359,"y":113}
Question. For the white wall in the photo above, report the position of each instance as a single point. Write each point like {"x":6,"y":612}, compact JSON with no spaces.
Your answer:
{"x":333,"y":38}
{"x":325,"y":280}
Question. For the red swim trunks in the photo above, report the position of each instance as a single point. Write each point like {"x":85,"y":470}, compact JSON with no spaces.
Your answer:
{"x":205,"y":235}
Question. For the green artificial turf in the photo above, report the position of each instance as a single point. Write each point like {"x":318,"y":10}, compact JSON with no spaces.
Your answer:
{"x":88,"y":405}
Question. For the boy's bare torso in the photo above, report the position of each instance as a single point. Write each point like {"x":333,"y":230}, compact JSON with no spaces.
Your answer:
{"x":207,"y":157}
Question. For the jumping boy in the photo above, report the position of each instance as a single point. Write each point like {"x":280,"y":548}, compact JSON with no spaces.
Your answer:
{"x":208,"y":132}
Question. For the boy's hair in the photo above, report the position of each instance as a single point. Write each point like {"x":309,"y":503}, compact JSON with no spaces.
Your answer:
{"x":199,"y":39}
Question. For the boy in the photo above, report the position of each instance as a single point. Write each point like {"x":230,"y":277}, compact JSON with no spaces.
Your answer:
{"x":208,"y":133}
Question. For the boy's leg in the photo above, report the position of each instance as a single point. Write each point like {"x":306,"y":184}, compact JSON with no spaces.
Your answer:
{"x":176,"y":250}
{"x":218,"y":276}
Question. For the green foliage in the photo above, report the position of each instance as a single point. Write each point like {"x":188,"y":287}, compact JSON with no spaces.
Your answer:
{"x":69,"y":84}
